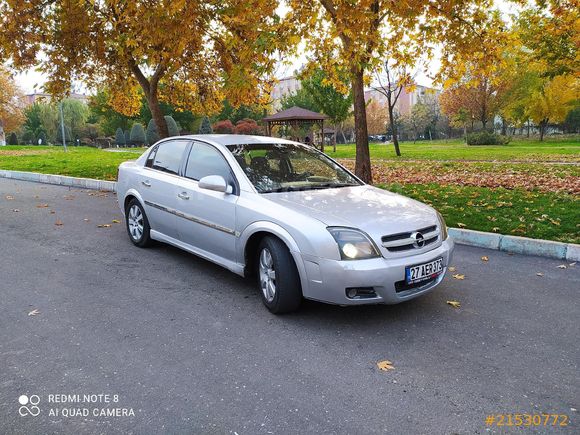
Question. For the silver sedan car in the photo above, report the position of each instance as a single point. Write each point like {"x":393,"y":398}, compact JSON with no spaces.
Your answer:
{"x":287,"y":214}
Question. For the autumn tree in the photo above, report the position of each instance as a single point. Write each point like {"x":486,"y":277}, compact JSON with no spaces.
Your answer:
{"x":191,"y":54}
{"x":357,"y":35}
{"x":377,"y":117}
{"x":11,"y":116}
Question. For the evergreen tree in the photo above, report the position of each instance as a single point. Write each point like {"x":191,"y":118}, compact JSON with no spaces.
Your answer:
{"x":120,"y":137}
{"x":127,"y":138}
{"x":151,"y":133}
{"x":172,"y":127}
{"x":12,"y":139}
{"x":205,"y":127}
{"x":137,"y":134}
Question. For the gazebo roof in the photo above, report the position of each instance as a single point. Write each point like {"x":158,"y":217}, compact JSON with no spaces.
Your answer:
{"x":296,"y":114}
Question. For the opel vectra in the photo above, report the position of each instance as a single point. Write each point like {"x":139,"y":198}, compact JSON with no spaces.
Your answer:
{"x":287,"y":214}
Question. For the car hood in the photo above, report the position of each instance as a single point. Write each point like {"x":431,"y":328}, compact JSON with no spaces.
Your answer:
{"x":375,"y":211}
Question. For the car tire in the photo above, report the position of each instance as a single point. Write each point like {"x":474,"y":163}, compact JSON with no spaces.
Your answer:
{"x":137,"y":224}
{"x":277,"y":276}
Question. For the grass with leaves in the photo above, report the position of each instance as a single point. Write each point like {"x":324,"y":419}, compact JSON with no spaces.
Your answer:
{"x":555,"y":150}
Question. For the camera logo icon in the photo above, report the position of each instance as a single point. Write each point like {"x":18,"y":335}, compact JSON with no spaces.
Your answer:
{"x":29,"y":405}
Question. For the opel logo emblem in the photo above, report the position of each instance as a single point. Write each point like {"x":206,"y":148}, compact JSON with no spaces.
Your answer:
{"x":419,"y":240}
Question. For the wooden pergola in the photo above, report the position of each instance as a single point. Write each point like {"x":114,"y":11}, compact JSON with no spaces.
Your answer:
{"x":296,"y":117}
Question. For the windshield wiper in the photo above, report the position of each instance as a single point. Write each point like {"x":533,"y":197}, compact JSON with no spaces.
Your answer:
{"x":311,"y":187}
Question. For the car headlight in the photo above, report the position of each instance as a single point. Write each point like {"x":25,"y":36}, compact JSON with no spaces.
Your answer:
{"x":353,"y":244}
{"x":443,"y":226}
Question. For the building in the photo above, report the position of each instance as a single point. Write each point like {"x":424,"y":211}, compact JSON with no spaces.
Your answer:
{"x":30,"y":99}
{"x":407,"y":99}
{"x":284,"y":87}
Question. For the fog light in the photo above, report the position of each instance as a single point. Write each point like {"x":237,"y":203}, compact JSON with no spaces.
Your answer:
{"x":351,"y":293}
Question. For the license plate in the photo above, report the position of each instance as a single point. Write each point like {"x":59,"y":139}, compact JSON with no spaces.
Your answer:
{"x":423,"y":272}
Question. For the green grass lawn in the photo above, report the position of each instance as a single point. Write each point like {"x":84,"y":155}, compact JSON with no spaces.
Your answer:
{"x":552,"y":215}
{"x":517,"y":150}
{"x":76,"y":162}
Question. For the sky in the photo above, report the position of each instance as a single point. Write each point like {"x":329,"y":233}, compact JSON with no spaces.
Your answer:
{"x":31,"y":80}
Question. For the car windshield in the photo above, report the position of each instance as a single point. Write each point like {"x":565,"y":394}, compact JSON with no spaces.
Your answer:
{"x":289,"y":167}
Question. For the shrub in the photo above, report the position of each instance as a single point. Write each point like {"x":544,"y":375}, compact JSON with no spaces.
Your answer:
{"x":120,"y":137}
{"x":152,"y":134}
{"x":137,"y":134}
{"x":205,"y":127}
{"x":223,"y":127}
{"x":247,"y":126}
{"x":172,"y":127}
{"x":486,"y":138}
{"x":12,"y":139}
{"x":127,"y":138}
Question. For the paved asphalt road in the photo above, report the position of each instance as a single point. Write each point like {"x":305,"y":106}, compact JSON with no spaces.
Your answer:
{"x":189,"y":348}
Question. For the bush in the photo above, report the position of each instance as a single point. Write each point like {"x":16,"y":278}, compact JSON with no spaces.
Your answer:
{"x":223,"y":127}
{"x":247,"y":126}
{"x":205,"y":127}
{"x":137,"y":135}
{"x":152,"y":134}
{"x":120,"y":137}
{"x":127,"y":138}
{"x":12,"y":139}
{"x":172,"y":127}
{"x":42,"y":138}
{"x":486,"y":138}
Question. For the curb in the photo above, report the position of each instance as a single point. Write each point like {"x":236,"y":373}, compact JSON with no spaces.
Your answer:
{"x":517,"y":245}
{"x":61,"y":180}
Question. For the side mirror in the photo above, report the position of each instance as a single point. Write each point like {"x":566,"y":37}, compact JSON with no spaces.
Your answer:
{"x":213,"y":182}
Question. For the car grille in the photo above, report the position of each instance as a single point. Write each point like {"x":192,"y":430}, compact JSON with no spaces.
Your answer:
{"x":411,"y":239}
{"x":402,"y":286}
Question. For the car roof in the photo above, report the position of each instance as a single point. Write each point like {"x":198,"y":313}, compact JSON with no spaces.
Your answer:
{"x":236,"y":139}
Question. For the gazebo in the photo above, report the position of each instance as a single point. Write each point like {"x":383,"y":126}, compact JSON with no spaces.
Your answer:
{"x":296,"y":117}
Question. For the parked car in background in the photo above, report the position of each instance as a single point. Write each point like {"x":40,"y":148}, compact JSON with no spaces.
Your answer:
{"x":287,"y":214}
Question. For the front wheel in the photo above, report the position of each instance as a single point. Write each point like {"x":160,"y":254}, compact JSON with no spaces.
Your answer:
{"x":278,"y":279}
{"x":137,"y":224}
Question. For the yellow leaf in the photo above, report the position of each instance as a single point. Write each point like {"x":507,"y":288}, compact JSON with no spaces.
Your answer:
{"x":484,"y":258}
{"x":495,"y":229}
{"x":104,"y":226}
{"x":460,"y":225}
{"x":454,"y":304}
{"x":34,"y":312}
{"x":116,"y":221}
{"x":41,"y":205}
{"x":452,"y":269}
{"x":385,"y":365}
{"x":59,"y":223}
{"x":458,"y":276}
{"x":562,"y":266}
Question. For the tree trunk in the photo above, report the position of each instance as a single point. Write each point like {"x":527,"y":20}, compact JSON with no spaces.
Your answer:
{"x":528,"y":135}
{"x":363,"y":159}
{"x":503,"y":127}
{"x":157,"y":115}
{"x":394,"y":129}
{"x":543,"y":125}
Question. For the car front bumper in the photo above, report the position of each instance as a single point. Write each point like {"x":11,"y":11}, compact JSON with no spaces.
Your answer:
{"x":328,"y":280}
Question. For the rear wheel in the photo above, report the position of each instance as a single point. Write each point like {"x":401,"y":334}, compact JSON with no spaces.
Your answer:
{"x":278,"y":279}
{"x":137,"y":224}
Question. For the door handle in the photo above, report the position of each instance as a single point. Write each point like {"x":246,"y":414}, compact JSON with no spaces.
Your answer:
{"x":183,"y":195}
{"x":146,"y":183}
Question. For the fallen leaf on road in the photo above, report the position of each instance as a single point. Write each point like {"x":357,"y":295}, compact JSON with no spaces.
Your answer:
{"x":9,"y":197}
{"x":103,"y":225}
{"x":86,"y":220}
{"x":460,"y":225}
{"x":540,"y":274}
{"x":452,"y":269}
{"x":385,"y":365}
{"x":41,"y":205}
{"x":15,"y":210}
{"x":484,"y":258}
{"x":52,"y":212}
{"x":562,"y":266}
{"x":116,"y":221}
{"x":454,"y":304}
{"x":59,"y":223}
{"x":69,"y":197}
{"x":34,"y":312}
{"x":458,"y":276}
{"x":572,"y":264}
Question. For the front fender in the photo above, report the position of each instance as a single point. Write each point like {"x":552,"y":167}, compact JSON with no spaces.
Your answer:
{"x":282,"y":234}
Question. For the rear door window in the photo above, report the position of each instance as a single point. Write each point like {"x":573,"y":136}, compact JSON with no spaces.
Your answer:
{"x":168,"y":156}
